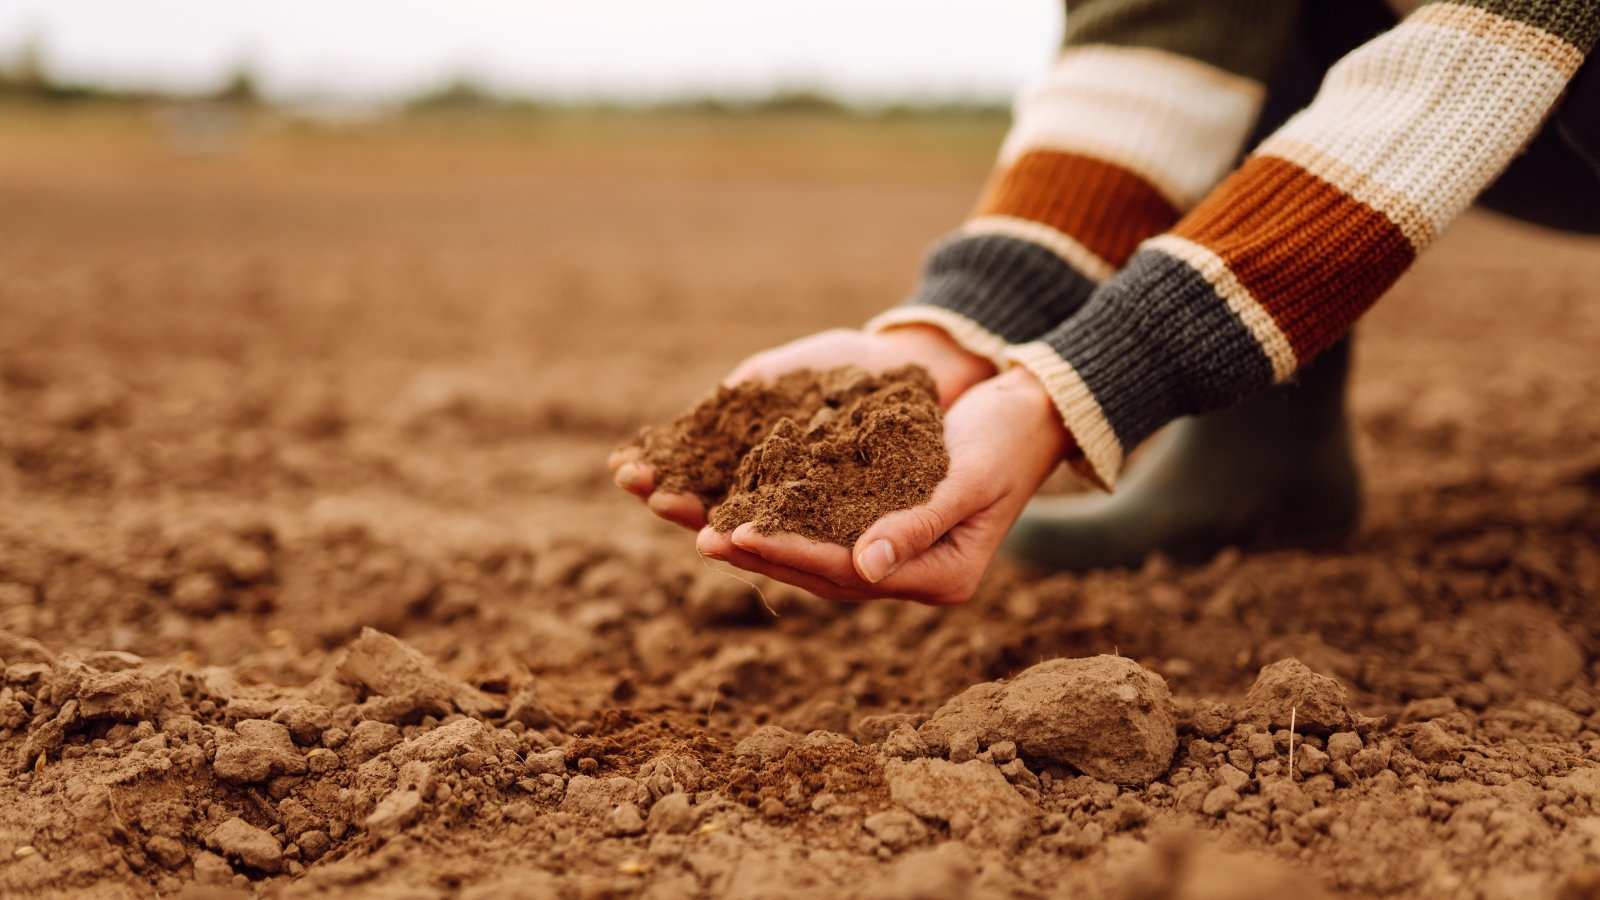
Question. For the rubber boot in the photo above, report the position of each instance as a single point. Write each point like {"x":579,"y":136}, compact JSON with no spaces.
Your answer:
{"x":1277,"y":470}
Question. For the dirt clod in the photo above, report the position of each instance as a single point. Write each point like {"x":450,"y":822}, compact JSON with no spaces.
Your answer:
{"x":1531,"y":645}
{"x":672,"y":814}
{"x":624,"y":821}
{"x":111,"y":694}
{"x":767,"y":742}
{"x":394,"y":812}
{"x":1430,"y":743}
{"x":368,"y":740}
{"x":249,"y":845}
{"x":1288,"y":691}
{"x":256,"y":750}
{"x":165,"y":851}
{"x":402,"y":683}
{"x":895,"y":829}
{"x":971,"y":798}
{"x":1106,"y":716}
{"x":526,"y":707}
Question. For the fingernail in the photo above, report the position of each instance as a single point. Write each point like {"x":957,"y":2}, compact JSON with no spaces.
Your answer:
{"x":629,"y":475}
{"x":877,"y":561}
{"x":741,"y":538}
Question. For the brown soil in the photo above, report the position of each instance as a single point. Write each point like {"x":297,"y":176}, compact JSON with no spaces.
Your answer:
{"x":254,"y":405}
{"x":822,"y":455}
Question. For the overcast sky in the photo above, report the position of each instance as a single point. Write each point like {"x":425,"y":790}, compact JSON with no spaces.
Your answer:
{"x":379,"y":49}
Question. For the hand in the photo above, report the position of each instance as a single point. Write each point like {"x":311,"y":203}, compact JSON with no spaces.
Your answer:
{"x":1004,"y":439}
{"x":954,"y":370}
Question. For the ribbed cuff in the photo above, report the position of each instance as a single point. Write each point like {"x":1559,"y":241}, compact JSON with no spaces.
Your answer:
{"x":1155,"y":343}
{"x":1101,"y":452}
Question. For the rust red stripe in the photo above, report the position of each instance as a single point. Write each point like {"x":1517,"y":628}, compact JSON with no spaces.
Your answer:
{"x":1106,"y":208}
{"x":1312,"y":255}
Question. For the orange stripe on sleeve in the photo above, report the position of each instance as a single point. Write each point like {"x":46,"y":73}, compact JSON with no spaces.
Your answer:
{"x":1106,"y":208}
{"x":1313,"y":256}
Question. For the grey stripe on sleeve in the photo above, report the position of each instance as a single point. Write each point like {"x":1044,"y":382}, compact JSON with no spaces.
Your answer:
{"x":1012,"y":288}
{"x":1156,"y":343}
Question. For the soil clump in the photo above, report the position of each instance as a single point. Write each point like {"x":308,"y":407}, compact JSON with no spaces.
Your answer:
{"x":821,"y":455}
{"x":1106,"y":716}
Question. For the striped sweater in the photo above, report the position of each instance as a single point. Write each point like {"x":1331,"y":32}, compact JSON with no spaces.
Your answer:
{"x":1124,"y":255}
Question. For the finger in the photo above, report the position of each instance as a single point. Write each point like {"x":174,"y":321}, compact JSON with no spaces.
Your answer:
{"x":950,"y":571}
{"x":680,"y":509}
{"x":739,"y":376}
{"x":902,"y":536}
{"x":756,"y":368}
{"x":715,"y":545}
{"x":636,"y":478}
{"x":623,"y":455}
{"x":762,"y":373}
{"x":830,"y":561}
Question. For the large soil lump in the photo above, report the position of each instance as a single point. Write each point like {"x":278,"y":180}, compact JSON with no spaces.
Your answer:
{"x":1106,"y":716}
{"x":1288,"y":693}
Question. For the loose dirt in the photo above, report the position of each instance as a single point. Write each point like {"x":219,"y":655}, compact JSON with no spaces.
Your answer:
{"x":821,"y":455}
{"x":313,"y":583}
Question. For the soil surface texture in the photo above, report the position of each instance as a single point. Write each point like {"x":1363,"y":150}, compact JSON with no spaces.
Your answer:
{"x":822,"y":455}
{"x":313,"y":582}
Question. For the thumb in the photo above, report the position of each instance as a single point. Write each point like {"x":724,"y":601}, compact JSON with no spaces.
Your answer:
{"x":902,"y":536}
{"x":744,"y":372}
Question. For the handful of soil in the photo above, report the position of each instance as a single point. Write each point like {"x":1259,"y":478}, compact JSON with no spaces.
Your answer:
{"x":822,"y":455}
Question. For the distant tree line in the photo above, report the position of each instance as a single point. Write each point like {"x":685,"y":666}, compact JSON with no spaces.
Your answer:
{"x":465,"y":94}
{"x":26,"y":78}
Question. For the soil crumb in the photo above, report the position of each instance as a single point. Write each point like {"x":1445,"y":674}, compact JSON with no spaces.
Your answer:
{"x":822,"y":455}
{"x":1289,"y":695}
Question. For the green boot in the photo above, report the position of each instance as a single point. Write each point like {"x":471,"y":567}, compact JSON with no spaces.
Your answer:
{"x":1277,"y":470}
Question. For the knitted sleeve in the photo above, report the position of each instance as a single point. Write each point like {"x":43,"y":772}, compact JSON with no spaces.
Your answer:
{"x":1147,"y":107}
{"x":1279,"y":260}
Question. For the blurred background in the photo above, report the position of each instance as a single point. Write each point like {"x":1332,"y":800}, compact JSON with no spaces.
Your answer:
{"x":444,"y":258}
{"x":455,"y":171}
{"x":274,"y":254}
{"x":372,"y":56}
{"x":313,"y":245}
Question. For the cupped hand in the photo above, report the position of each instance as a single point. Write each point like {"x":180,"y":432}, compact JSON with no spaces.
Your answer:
{"x":954,"y":371}
{"x":639,"y":479}
{"x":1004,"y":439}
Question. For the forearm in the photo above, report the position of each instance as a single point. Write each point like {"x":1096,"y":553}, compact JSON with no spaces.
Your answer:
{"x":1146,"y":108}
{"x":1279,"y":261}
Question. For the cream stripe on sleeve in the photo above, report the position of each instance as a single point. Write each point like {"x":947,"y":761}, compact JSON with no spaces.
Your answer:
{"x":1176,"y":122}
{"x":1390,"y":119}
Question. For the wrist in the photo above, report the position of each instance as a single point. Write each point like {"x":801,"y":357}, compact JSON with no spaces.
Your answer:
{"x":1037,"y":409}
{"x":953,"y":367}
